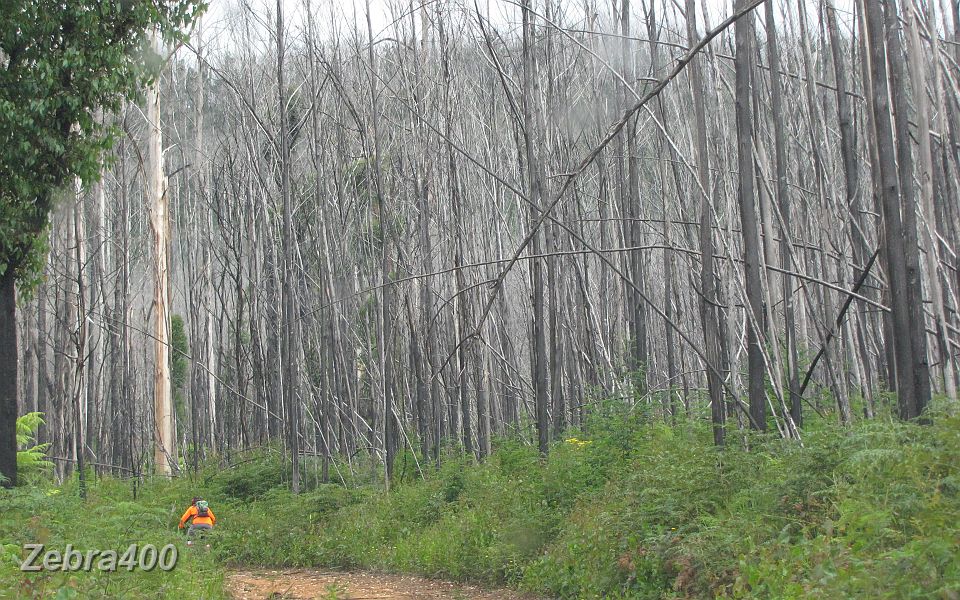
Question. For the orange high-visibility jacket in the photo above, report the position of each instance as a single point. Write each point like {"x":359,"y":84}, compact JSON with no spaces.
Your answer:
{"x":210,"y":519}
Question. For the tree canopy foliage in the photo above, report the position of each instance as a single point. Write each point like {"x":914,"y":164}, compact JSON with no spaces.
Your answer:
{"x":62,"y":64}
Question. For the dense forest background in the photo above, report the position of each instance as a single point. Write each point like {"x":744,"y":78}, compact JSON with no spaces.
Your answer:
{"x":340,"y":241}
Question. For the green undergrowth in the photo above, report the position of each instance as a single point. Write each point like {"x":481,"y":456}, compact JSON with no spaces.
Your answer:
{"x":110,"y":519}
{"x":624,"y":508}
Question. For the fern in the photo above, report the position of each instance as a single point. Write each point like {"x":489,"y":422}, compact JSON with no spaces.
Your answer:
{"x":33,"y":458}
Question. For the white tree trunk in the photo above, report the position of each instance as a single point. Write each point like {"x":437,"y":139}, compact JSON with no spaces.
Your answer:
{"x":164,"y":456}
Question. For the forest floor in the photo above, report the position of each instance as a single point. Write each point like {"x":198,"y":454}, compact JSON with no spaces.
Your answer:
{"x":342,"y":585}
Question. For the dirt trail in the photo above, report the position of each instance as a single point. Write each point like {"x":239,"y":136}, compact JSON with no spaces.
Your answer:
{"x":306,"y":583}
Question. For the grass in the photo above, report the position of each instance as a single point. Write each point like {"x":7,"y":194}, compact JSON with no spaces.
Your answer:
{"x":108,"y":520}
{"x":625,"y":508}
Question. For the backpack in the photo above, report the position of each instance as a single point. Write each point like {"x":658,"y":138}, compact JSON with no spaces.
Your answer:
{"x":202,"y":508}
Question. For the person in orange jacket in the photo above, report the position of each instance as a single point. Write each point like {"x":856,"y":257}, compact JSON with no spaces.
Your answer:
{"x":203,"y":518}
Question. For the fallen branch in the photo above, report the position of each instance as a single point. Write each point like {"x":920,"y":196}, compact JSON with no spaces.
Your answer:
{"x":843,"y":311}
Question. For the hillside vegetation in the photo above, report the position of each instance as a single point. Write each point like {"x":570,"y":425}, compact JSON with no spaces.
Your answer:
{"x":625,"y":508}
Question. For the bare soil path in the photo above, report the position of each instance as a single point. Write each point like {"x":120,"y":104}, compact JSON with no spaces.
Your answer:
{"x":307,"y":583}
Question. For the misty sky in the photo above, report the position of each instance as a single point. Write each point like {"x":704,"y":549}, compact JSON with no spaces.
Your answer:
{"x":503,"y":14}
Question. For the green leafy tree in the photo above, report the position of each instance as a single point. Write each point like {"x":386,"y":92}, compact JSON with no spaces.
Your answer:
{"x":60,"y":64}
{"x":179,"y":364}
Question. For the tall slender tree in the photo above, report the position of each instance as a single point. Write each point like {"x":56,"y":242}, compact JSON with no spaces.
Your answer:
{"x":749,"y":222}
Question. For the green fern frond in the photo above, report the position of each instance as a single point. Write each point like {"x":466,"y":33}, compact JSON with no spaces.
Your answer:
{"x":34,"y":458}
{"x":27,"y":427}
